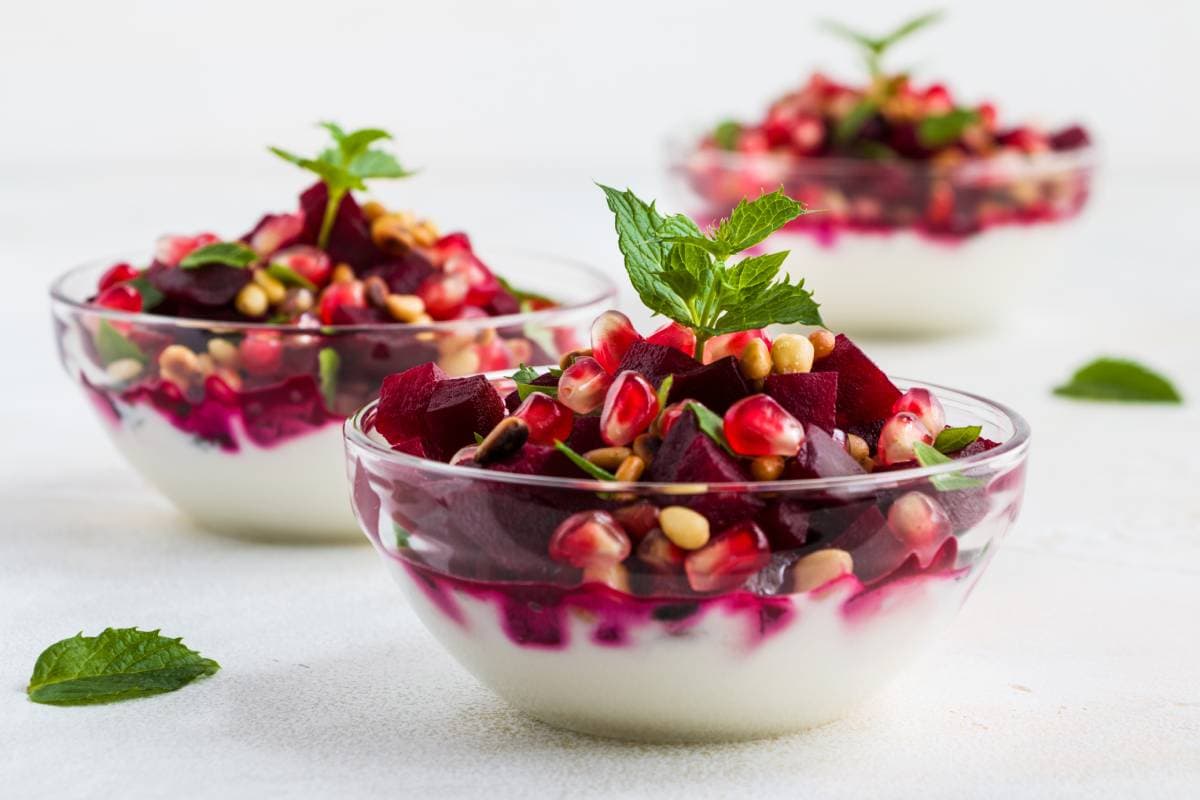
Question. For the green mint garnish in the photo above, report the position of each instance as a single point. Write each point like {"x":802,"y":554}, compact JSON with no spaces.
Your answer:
{"x":230,"y":254}
{"x":478,"y":438}
{"x":119,"y":664}
{"x":711,"y":424}
{"x":401,"y":533}
{"x":599,"y":473}
{"x":725,"y":135}
{"x":346,"y":166}
{"x":935,"y":132}
{"x":289,"y":277}
{"x":328,"y":364}
{"x":849,"y":125}
{"x":151,"y":297}
{"x":525,"y":377}
{"x":1116,"y":379}
{"x":112,"y":345}
{"x":874,"y":47}
{"x":947,"y":482}
{"x":525,"y":298}
{"x":681,"y":273}
{"x":664,"y":391}
{"x":951,"y":440}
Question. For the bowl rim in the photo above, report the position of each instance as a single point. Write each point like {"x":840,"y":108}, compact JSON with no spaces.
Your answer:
{"x":1011,"y":450}
{"x":606,"y":295}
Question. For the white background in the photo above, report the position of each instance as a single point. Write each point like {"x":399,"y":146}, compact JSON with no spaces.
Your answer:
{"x":1072,"y":671}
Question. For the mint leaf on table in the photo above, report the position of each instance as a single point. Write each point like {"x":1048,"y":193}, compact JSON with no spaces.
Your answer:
{"x":1119,"y":380}
{"x":328,"y":365}
{"x":289,"y":277}
{"x":941,"y":130}
{"x":112,"y":345}
{"x":945,"y":482}
{"x":711,"y":424}
{"x":599,"y":473}
{"x":951,"y":440}
{"x":119,"y":664}
{"x":229,"y":254}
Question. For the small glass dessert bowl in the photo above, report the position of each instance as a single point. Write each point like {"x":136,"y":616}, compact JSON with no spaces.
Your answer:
{"x":810,"y":595}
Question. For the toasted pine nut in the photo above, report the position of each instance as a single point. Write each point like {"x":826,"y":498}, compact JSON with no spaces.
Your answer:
{"x":608,"y":458}
{"x":645,"y":447}
{"x":509,"y":435}
{"x":425,"y":233}
{"x":819,"y":568}
{"x":755,"y":361}
{"x":274,"y":289}
{"x":569,"y":358}
{"x":296,"y":302}
{"x":631,"y":469}
{"x":857,"y":447}
{"x":376,"y":290}
{"x":766,"y":468}
{"x":404,"y":307}
{"x":223,"y":352}
{"x":251,"y":300}
{"x":792,"y":353}
{"x":342,"y":273}
{"x":124,"y":370}
{"x":823,"y":343}
{"x":687,"y":529}
{"x":179,"y":365}
{"x":373,"y":210}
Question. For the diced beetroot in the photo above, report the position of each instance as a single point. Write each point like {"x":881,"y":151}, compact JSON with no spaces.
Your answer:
{"x":536,"y":459}
{"x":209,"y":285}
{"x":810,"y":397}
{"x":503,"y":302}
{"x":412,"y":445}
{"x":980,"y":445}
{"x":585,"y":434}
{"x":965,"y":507}
{"x":786,"y":524}
{"x":656,"y":361}
{"x":689,"y":456}
{"x":458,"y":409}
{"x":402,"y":401}
{"x":868,"y":523}
{"x":354,"y":315}
{"x":403,"y":274}
{"x":283,"y":410}
{"x":822,"y":457}
{"x":864,"y":392}
{"x":349,"y":238}
{"x":717,"y":385}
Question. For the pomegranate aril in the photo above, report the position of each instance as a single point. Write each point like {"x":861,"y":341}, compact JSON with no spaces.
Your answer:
{"x":728,"y":560}
{"x":340,"y":295}
{"x":660,"y":553}
{"x":275,"y":231}
{"x":670,"y":415}
{"x":637,"y":519}
{"x":732,"y":344}
{"x":919,"y":521}
{"x":759,"y":426}
{"x":612,"y":334}
{"x":589,"y":539}
{"x":117,"y":273}
{"x":170,"y":250}
{"x":548,"y":420}
{"x":261,"y":353}
{"x":898,"y":437}
{"x":309,"y":263}
{"x":923,"y":405}
{"x":629,"y":408}
{"x":482,"y":285}
{"x":120,"y":298}
{"x":583,"y":386}
{"x":444,"y":295}
{"x":676,"y":336}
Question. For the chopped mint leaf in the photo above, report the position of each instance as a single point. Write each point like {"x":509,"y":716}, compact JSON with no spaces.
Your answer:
{"x":951,"y":440}
{"x":230,"y":254}
{"x":119,"y":664}
{"x":599,"y":473}
{"x":874,"y":47}
{"x":946,"y":482}
{"x":289,"y":277}
{"x":711,"y":424}
{"x":1115,"y":379}
{"x":151,"y":297}
{"x":849,"y":125}
{"x":328,"y":364}
{"x":478,"y":438}
{"x":524,"y":296}
{"x":401,"y":533}
{"x":664,"y":390}
{"x":112,"y":345}
{"x":526,"y":389}
{"x":725,"y":135}
{"x":752,"y":221}
{"x":935,"y":132}
{"x":525,"y":374}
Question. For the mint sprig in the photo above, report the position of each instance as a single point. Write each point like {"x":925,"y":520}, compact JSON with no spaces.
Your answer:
{"x":599,"y":473}
{"x":229,"y":254}
{"x":874,"y":47}
{"x":711,"y":424}
{"x":1120,"y":380}
{"x":346,"y":166}
{"x":943,"y":129}
{"x":112,"y":345}
{"x":945,"y":482}
{"x":119,"y":664}
{"x":525,"y":377}
{"x":951,"y":440}
{"x":683,"y":273}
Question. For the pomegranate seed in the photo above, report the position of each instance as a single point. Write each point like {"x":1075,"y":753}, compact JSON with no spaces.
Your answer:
{"x":808,"y":134}
{"x":670,"y":415}
{"x":120,"y":298}
{"x":629,"y":407}
{"x":337,"y":295}
{"x":897,"y":438}
{"x":444,"y":295}
{"x":937,"y":100}
{"x":548,"y":420}
{"x":310,"y":263}
{"x":117,"y":273}
{"x":583,"y":386}
{"x":449,"y":245}
{"x":923,"y":405}
{"x":728,"y":560}
{"x":261,"y":353}
{"x":482,"y":284}
{"x":732,"y":344}
{"x":589,"y":539}
{"x":612,"y":334}
{"x":675,"y":335}
{"x":274,"y":232}
{"x":638,"y":519}
{"x":919,"y":521}
{"x":660,"y":553}
{"x":493,"y":355}
{"x":759,"y":426}
{"x":170,"y":250}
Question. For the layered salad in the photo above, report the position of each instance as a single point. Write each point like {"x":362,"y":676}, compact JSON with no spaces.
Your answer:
{"x":225,"y":364}
{"x":708,"y":532}
{"x":916,"y":187}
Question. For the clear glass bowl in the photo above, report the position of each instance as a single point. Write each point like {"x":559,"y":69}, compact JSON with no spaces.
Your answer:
{"x":644,"y":656}
{"x":889,"y":239}
{"x":259,"y":454}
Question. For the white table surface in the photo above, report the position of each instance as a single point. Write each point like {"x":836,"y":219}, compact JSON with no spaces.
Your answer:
{"x":1074,"y":670}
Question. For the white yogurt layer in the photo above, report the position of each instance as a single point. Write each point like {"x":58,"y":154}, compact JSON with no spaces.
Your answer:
{"x":293,"y":490}
{"x":717,"y":680}
{"x":905,"y":282}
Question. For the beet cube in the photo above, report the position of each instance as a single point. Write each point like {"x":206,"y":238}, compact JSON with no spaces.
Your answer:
{"x":689,"y":456}
{"x":403,"y":274}
{"x":585,"y":434}
{"x":864,"y":392}
{"x":402,"y":401}
{"x":786,"y":525}
{"x":717,"y":385}
{"x":980,"y":445}
{"x":458,"y":409}
{"x":349,"y":238}
{"x":810,"y":397}
{"x":822,"y":457}
{"x":536,"y":459}
{"x":656,"y":362}
{"x":207,"y":285}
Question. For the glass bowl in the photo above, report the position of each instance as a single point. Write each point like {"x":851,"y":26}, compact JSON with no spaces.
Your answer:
{"x":887,"y":240}
{"x":240,"y":430}
{"x":769,"y":648}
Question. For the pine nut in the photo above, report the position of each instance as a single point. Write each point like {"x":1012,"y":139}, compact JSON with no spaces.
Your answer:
{"x":373,"y":210}
{"x":645,"y":447}
{"x":755,"y":361}
{"x":223,"y":352}
{"x":631,"y":469}
{"x":504,"y":440}
{"x":342,"y":273}
{"x":376,"y":290}
{"x":425,"y":234}
{"x":404,"y":307}
{"x":179,"y":365}
{"x":791,"y":353}
{"x":393,"y":233}
{"x":296,"y":302}
{"x":460,"y":362}
{"x":766,"y":468}
{"x":124,"y":370}
{"x":570,"y":358}
{"x":819,"y":568}
{"x":857,"y":447}
{"x":687,"y":529}
{"x":823,"y":343}
{"x":274,"y":289}
{"x":251,"y":300}
{"x":608,"y":458}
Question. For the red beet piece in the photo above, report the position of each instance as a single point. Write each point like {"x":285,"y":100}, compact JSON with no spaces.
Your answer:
{"x":822,"y":457}
{"x":458,"y":409}
{"x":209,"y":285}
{"x":810,"y":397}
{"x":980,"y":445}
{"x":402,"y":401}
{"x":786,"y":525}
{"x":717,"y":385}
{"x":585,"y":434}
{"x":689,"y":456}
{"x":864,"y":392}
{"x":513,"y":400}
{"x":403,"y":274}
{"x":349,"y":238}
{"x":536,"y":459}
{"x":656,"y":361}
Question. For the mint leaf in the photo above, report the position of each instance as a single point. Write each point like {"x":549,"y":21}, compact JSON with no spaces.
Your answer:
{"x":943,"y":129}
{"x":874,"y":47}
{"x":664,"y":391}
{"x":119,"y":664}
{"x":112,"y":345}
{"x":849,"y":125}
{"x":525,"y":374}
{"x":1120,"y":380}
{"x":752,"y":221}
{"x":478,"y":438}
{"x":599,"y":473}
{"x":526,"y":389}
{"x":328,"y":365}
{"x":951,"y":440}
{"x":711,"y":424}
{"x":289,"y":277}
{"x":377,"y":164}
{"x":230,"y":254}
{"x":151,"y":296}
{"x":945,"y":482}
{"x":524,"y":297}
{"x":779,"y":303}
{"x":725,"y":135}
